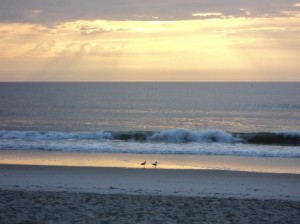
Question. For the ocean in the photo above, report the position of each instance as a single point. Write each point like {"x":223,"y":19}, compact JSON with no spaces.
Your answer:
{"x":210,"y":119}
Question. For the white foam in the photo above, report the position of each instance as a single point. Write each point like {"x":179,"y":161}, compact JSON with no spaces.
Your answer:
{"x":175,"y":141}
{"x":182,"y":135}
{"x":154,"y":148}
{"x":53,"y":135}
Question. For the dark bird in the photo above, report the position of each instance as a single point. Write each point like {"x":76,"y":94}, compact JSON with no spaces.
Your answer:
{"x":154,"y":164}
{"x":144,"y":164}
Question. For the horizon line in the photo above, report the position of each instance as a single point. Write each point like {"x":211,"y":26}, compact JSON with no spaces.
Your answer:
{"x":148,"y":81}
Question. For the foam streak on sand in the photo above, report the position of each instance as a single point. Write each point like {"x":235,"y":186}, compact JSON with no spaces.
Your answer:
{"x":45,"y":194}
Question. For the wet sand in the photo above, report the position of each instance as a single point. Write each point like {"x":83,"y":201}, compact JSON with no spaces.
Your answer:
{"x":151,"y":181}
{"x":165,"y":161}
{"x":58,"y":194}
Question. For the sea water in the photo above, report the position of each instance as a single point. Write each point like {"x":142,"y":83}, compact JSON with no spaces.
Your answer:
{"x":215,"y":119}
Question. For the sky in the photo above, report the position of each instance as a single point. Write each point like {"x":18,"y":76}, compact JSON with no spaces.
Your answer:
{"x":150,"y":40}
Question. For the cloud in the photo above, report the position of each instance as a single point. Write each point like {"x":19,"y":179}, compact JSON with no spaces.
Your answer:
{"x":293,"y":13}
{"x":52,"y":12}
{"x":33,"y":13}
{"x":246,"y":11}
{"x":208,"y":14}
{"x":41,"y":48}
{"x":96,"y":38}
{"x":95,"y":30}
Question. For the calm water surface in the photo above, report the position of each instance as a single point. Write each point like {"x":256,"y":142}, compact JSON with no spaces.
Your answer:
{"x":239,"y":107}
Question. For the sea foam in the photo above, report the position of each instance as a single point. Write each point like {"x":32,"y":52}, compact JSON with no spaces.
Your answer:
{"x":167,"y":136}
{"x":182,"y":135}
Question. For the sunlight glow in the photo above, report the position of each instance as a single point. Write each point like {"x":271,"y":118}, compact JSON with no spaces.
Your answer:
{"x":232,"y":49}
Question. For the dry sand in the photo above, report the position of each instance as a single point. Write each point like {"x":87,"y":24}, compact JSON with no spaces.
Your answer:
{"x":48,"y":194}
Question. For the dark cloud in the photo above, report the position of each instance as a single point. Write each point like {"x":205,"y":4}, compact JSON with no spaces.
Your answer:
{"x":55,"y":11}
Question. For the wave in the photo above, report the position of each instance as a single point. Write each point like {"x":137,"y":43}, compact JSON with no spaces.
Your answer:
{"x":271,"y":138}
{"x":182,"y":135}
{"x":175,"y":141}
{"x":54,"y":135}
{"x":291,"y":138}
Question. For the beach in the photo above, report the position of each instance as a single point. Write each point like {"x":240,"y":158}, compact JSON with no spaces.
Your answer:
{"x":60,"y":194}
{"x":66,"y":207}
{"x":127,"y":111}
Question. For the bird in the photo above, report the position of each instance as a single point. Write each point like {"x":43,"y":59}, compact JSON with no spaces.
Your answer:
{"x":144,"y":163}
{"x":154,"y":164}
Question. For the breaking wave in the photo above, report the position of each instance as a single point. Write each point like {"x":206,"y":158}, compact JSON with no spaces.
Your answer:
{"x":168,"y":136}
{"x":175,"y":141}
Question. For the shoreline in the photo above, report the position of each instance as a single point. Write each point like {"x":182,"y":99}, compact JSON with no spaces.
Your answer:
{"x":165,"y":161}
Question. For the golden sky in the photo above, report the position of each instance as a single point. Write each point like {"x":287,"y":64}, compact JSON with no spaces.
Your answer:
{"x":178,"y":40}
